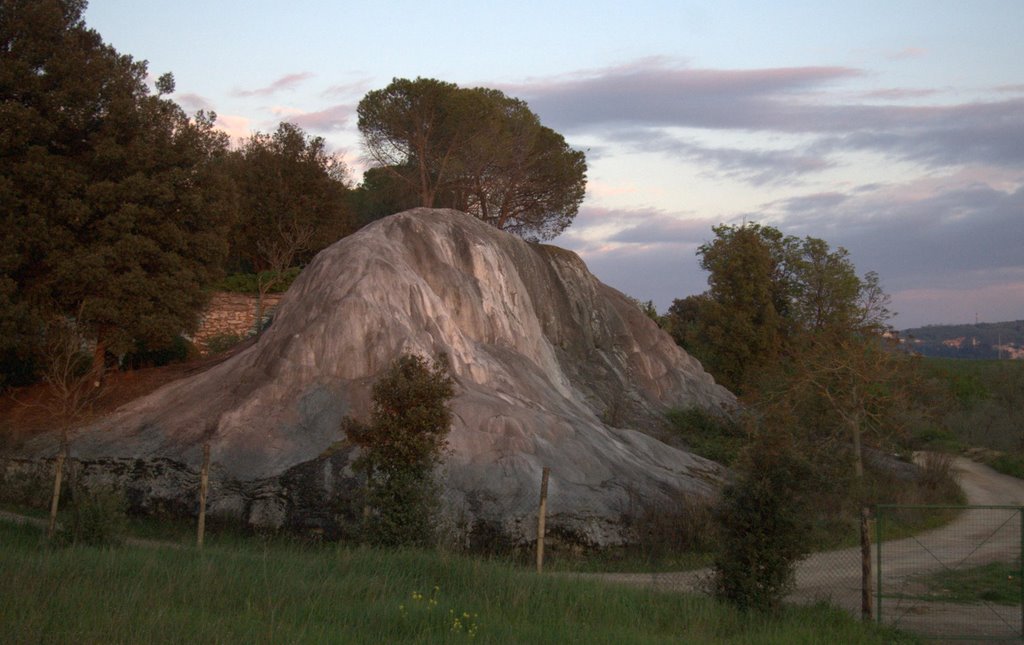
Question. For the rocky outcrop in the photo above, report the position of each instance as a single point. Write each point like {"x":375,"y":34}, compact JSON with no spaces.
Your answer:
{"x":553,"y":369}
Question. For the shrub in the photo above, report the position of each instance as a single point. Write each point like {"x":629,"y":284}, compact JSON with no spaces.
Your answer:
{"x":178,"y":350}
{"x":402,"y":446}
{"x":762,"y":527}
{"x":683,"y":525}
{"x":222,"y":343}
{"x":1009,"y":464}
{"x":96,"y":518}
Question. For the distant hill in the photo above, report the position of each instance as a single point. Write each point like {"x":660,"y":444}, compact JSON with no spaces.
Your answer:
{"x":983,"y":340}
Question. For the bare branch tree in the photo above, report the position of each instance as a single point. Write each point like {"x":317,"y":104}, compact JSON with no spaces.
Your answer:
{"x":74,"y":386}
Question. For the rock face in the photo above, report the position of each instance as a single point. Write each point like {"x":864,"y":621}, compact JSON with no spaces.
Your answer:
{"x":553,"y":369}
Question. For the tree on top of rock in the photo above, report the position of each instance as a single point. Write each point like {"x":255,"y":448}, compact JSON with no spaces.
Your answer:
{"x":476,"y":150}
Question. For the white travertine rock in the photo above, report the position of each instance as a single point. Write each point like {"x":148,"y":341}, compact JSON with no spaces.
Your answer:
{"x":546,"y":358}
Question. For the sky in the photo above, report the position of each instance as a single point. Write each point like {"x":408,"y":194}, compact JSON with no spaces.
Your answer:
{"x":894,"y":129}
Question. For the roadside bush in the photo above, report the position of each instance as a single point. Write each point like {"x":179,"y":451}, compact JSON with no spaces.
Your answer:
{"x":684,"y":525}
{"x":402,"y":446}
{"x":1009,"y":464}
{"x":96,"y":518}
{"x":763,"y":526}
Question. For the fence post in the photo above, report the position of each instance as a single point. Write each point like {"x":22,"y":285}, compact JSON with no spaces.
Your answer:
{"x":865,"y":564}
{"x":542,"y":512}
{"x":878,"y":561}
{"x":204,"y":480}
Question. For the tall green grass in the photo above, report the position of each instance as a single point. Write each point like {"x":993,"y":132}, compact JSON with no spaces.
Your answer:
{"x":264,"y":593}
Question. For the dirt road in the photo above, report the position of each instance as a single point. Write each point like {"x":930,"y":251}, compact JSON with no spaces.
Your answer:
{"x":976,"y":537}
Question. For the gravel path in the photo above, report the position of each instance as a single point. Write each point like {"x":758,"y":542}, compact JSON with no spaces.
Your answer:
{"x":976,"y":537}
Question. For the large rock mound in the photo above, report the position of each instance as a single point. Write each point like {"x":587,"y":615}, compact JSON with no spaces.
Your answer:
{"x":553,"y":368}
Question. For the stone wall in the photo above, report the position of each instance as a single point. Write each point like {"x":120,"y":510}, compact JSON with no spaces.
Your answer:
{"x":231,"y":314}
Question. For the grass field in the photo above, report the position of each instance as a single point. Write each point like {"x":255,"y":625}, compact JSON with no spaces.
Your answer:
{"x":261,"y":592}
{"x":996,"y":582}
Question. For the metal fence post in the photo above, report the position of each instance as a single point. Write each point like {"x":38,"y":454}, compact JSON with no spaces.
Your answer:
{"x":879,"y":512}
{"x":865,"y":564}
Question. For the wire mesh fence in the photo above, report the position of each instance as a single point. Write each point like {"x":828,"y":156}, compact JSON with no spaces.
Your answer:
{"x":962,"y":581}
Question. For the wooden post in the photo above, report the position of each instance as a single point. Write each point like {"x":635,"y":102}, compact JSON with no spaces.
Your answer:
{"x":542,"y":513}
{"x":204,"y":481}
{"x":865,"y":565}
{"x":55,"y":500}
{"x":58,"y":475}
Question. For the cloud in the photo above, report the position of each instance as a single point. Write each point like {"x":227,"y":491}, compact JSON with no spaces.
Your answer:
{"x":756,"y":166}
{"x":354,"y":89}
{"x":237,"y":127}
{"x":286,"y":82}
{"x":644,"y":102}
{"x":329,"y":119}
{"x":942,"y":246}
{"x":814,"y":203}
{"x":653,"y":92}
{"x":987,"y":133}
{"x":934,"y":239}
{"x":192,"y":102}
{"x":646,"y":253}
{"x":898,"y":93}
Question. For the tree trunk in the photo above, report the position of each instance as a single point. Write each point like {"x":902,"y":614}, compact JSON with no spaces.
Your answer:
{"x":858,"y":452}
{"x":99,"y":360}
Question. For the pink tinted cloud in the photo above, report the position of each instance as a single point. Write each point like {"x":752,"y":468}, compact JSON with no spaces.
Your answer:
{"x":335,"y":117}
{"x":355,"y":88}
{"x":237,"y":127}
{"x":286,"y":82}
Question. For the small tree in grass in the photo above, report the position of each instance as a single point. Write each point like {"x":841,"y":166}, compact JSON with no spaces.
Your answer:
{"x":401,"y":448}
{"x":762,"y":525}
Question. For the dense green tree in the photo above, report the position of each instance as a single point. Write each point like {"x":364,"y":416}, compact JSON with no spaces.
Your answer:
{"x":112,"y":200}
{"x":293,"y":201}
{"x":476,"y":150}
{"x":401,"y":448}
{"x":516,"y":174}
{"x":740,"y":323}
{"x":381,"y":193}
{"x":766,"y":293}
{"x":414,"y":130}
{"x":788,"y":324}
